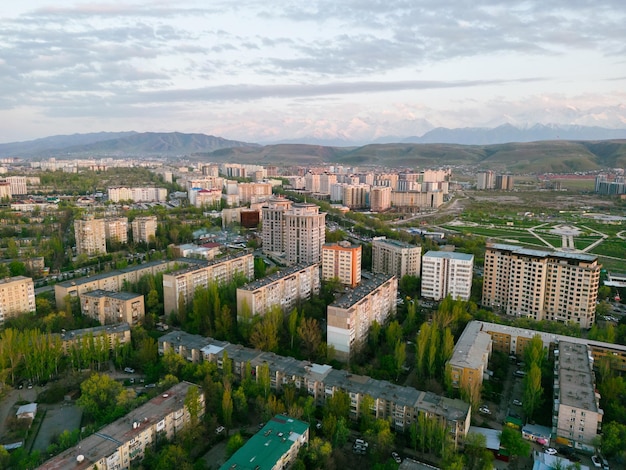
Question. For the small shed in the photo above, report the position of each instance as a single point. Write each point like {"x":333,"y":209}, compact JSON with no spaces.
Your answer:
{"x":27,"y":411}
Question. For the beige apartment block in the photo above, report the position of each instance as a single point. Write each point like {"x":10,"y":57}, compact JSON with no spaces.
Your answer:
{"x":447,"y":273}
{"x":282,"y":289}
{"x":90,"y":236}
{"x":380,"y":198}
{"x":349,"y":318}
{"x":342,"y":261}
{"x":182,"y":284}
{"x":253,"y":192}
{"x":273,"y":224}
{"x":116,"y":229}
{"x":144,"y":228}
{"x":543,"y":285}
{"x":396,"y":257}
{"x":5,"y":190}
{"x":355,"y":195}
{"x":124,"y":442}
{"x":399,"y":404}
{"x":17,"y":296}
{"x":470,"y":359}
{"x":18,"y":185}
{"x":139,"y":194}
{"x":577,"y":417}
{"x":416,"y":200}
{"x":305,"y":233}
{"x":105,"y":337}
{"x":113,"y":307}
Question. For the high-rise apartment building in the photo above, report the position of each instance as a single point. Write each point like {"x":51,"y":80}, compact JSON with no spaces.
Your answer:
{"x":312,"y":182}
{"x":5,"y":190}
{"x":342,"y":261}
{"x":447,"y":273}
{"x":356,"y":196}
{"x":380,"y":198}
{"x":504,"y":182}
{"x":305,"y":233}
{"x":485,"y":180}
{"x":395,"y":257}
{"x":116,"y":229}
{"x":543,"y":285}
{"x":273,"y":228}
{"x":326,"y":180}
{"x":349,"y":318}
{"x":144,"y":228}
{"x":90,"y":236}
{"x":143,"y":194}
{"x":17,"y":296}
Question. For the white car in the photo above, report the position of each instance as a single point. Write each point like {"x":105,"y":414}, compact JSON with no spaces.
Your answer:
{"x":517,"y":403}
{"x":596,"y":461}
{"x":129,"y":370}
{"x":396,"y":457}
{"x":219,"y":430}
{"x":485,"y":410}
{"x":550,"y":451}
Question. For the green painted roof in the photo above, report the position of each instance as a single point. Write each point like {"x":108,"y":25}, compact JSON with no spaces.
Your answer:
{"x":267,"y":446}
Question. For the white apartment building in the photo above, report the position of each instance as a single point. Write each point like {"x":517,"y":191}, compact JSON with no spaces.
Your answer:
{"x":273,"y":224}
{"x":543,"y":285}
{"x":447,"y":273}
{"x":124,"y":442}
{"x":326,"y":181}
{"x":116,"y":228}
{"x":283,"y":288}
{"x":342,"y":261}
{"x":305,"y":233}
{"x":312,"y":182}
{"x":90,"y":236}
{"x":416,"y":200}
{"x":144,"y":228}
{"x":349,"y":318}
{"x":17,"y":296}
{"x":120,"y":193}
{"x":5,"y":190}
{"x":182,"y":284}
{"x":396,"y":257}
{"x":18,"y":185}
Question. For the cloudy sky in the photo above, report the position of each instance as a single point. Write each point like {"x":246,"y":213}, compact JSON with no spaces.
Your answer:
{"x":285,"y":69}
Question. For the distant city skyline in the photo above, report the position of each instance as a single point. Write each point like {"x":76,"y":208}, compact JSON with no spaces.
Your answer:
{"x":357,"y":70}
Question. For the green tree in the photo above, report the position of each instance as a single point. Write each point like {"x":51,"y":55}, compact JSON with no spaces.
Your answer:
{"x":399,"y":356}
{"x":234,"y":444}
{"x":193,"y":404}
{"x":227,"y":405}
{"x":292,"y":326}
{"x":613,"y":438}
{"x":477,"y":456}
{"x":173,"y":456}
{"x":310,"y":334}
{"x":393,"y":334}
{"x":265,"y":332}
{"x":533,"y":391}
{"x":512,"y":440}
{"x":99,"y":394}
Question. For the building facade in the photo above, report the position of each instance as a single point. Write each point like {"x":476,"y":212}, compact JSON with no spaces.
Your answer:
{"x":282,"y":289}
{"x":342,"y":261}
{"x":447,"y":273}
{"x":144,"y":229}
{"x":90,"y":236}
{"x":17,"y":296}
{"x":180,"y":286}
{"x":305,"y":233}
{"x":140,"y":194}
{"x":410,"y":201}
{"x":124,"y":442}
{"x":380,"y":198}
{"x":396,"y":257}
{"x":273,"y":224}
{"x":349,"y":318}
{"x":113,"y":307}
{"x":543,"y":285}
{"x":116,"y":229}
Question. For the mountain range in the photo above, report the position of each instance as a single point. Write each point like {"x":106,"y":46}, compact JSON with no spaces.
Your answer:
{"x":557,"y":149}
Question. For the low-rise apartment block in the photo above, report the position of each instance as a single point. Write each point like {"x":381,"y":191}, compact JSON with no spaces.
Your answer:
{"x":471,"y":355}
{"x":17,"y":296}
{"x":349,"y":318}
{"x":106,"y":337}
{"x":542,"y":285}
{"x":114,"y":280}
{"x":577,"y":417}
{"x":342,"y":261}
{"x":274,"y":447}
{"x":113,"y":307}
{"x":447,"y":273}
{"x":182,"y":284}
{"x":396,"y":257}
{"x":283,"y":289}
{"x":124,"y":442}
{"x":401,"y":405}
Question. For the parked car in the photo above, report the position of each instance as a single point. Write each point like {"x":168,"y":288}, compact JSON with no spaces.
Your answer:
{"x":396,"y":457}
{"x":550,"y":451}
{"x":129,"y":370}
{"x":219,"y":430}
{"x":596,"y":461}
{"x":483,"y":409}
{"x":517,"y":402}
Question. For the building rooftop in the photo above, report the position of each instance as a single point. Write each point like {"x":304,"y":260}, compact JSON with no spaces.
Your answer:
{"x":277,"y":276}
{"x":8,"y":280}
{"x":576,"y":377}
{"x":267,"y":446}
{"x":202,"y":263}
{"x":566,"y":255}
{"x":392,"y":242}
{"x":449,"y":255}
{"x":99,"y":293}
{"x":106,"y":441}
{"x":471,"y":347}
{"x":96,"y":330}
{"x":369,"y":283}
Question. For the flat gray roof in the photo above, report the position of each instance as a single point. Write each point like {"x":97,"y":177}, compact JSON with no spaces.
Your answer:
{"x":283,"y":273}
{"x":575,"y":375}
{"x":449,"y":255}
{"x":471,"y":346}
{"x":99,"y":293}
{"x":567,"y":255}
{"x":369,"y":283}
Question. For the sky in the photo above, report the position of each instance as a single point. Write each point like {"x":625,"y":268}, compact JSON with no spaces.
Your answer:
{"x":268,"y":71}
